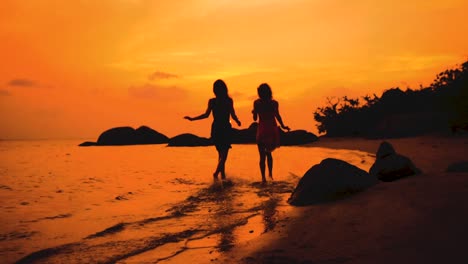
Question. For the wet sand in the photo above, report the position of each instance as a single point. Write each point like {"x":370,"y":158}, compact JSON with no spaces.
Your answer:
{"x":210,"y":223}
{"x":420,"y":219}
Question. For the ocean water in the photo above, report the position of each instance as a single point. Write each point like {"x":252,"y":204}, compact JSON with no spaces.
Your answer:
{"x":60,"y":203}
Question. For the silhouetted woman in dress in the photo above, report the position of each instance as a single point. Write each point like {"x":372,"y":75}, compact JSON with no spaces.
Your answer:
{"x":222,"y":107}
{"x":268,"y":137}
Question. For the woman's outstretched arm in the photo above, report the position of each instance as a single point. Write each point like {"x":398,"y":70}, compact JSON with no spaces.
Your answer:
{"x":202,"y":116}
{"x":280,"y":120}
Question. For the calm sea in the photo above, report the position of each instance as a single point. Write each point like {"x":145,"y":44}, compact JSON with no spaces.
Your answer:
{"x":54,"y":193}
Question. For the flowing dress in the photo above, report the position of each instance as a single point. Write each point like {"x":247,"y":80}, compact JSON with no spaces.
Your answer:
{"x":221,"y":129}
{"x":268,"y":135}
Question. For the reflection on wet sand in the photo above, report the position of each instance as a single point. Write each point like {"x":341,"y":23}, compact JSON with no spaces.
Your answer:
{"x":221,"y":220}
{"x":270,"y":213}
{"x":214,"y":220}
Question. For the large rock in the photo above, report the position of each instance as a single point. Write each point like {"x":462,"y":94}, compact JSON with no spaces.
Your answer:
{"x":385,"y":149}
{"x":297,"y":137}
{"x":146,"y":135}
{"x":128,"y":136}
{"x":292,"y":138}
{"x":117,"y":136}
{"x":391,"y":166}
{"x":330,"y":180}
{"x":188,"y":140}
{"x":245,"y":136}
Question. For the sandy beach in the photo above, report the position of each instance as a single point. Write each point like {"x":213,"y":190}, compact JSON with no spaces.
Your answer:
{"x":71,"y":207}
{"x":420,"y":219}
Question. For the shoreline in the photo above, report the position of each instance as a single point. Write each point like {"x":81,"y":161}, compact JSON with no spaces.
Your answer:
{"x":429,"y":153}
{"x":419,"y":219}
{"x":64,"y":204}
{"x":252,"y":223}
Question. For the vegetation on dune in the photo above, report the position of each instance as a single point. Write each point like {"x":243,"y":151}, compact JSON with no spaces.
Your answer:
{"x":440,"y":107}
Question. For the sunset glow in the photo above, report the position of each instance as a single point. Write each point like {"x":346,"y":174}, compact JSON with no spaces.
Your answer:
{"x":72,"y":69}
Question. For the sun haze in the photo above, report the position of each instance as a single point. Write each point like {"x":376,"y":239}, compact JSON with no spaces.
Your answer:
{"x":71,"y":69}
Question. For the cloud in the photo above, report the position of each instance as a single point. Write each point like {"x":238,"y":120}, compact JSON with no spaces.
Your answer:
{"x":239,"y":95}
{"x":22,"y":82}
{"x":157,"y":75}
{"x":161,"y":93}
{"x":4,"y":93}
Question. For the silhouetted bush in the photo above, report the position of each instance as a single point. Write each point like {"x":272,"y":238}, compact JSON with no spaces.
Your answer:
{"x":440,"y":107}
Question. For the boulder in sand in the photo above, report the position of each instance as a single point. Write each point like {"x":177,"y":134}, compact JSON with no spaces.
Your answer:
{"x":330,"y":180}
{"x":188,"y":140}
{"x":391,"y":166}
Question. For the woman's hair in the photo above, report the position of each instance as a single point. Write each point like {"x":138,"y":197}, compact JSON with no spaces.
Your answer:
{"x":220,"y":89}
{"x":264,"y":91}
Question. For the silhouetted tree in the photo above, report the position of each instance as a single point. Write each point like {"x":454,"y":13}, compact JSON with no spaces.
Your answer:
{"x":442,"y":105}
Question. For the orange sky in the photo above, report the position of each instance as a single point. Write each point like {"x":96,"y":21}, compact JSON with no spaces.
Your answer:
{"x":71,"y":69}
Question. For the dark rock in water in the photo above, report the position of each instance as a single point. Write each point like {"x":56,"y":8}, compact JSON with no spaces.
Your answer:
{"x":117,"y":136}
{"x":330,"y":180}
{"x":245,"y":136}
{"x":461,"y":166}
{"x":130,"y":136}
{"x":188,"y":140}
{"x":146,"y":135}
{"x":88,"y":144}
{"x":297,"y":137}
{"x":391,"y":166}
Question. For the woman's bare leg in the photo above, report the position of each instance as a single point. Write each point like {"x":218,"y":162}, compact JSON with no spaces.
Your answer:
{"x":222,"y":163}
{"x":220,"y":168}
{"x":270,"y":164}
{"x":261,"y":151}
{"x":215,"y":174}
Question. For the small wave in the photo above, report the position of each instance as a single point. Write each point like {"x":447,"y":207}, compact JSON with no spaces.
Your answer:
{"x":108,"y":231}
{"x":60,"y":216}
{"x":17,"y":235}
{"x":185,"y":181}
{"x":4,"y":187}
{"x":213,"y":211}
